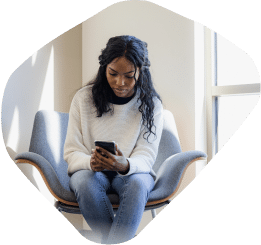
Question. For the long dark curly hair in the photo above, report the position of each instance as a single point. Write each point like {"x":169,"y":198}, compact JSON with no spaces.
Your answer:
{"x":134,"y":50}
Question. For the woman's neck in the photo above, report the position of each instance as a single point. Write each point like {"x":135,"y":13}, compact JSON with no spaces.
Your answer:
{"x":114,"y":99}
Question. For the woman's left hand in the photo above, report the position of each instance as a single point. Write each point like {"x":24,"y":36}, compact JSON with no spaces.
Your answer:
{"x":110,"y":161}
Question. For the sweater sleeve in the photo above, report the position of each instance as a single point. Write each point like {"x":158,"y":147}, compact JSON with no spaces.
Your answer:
{"x":144,"y":154}
{"x":75,"y":152}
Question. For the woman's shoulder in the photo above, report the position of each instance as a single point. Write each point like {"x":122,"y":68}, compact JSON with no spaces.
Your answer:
{"x":85,"y":90}
{"x":83,"y":93}
{"x":158,"y":107}
{"x":157,"y":103}
{"x":82,"y":97}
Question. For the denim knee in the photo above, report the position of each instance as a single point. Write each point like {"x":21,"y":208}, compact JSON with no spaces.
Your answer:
{"x":139,"y":184}
{"x":79,"y":180}
{"x":136,"y":185}
{"x":87,"y":182}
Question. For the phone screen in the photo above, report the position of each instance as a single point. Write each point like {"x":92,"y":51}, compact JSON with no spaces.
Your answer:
{"x":107,"y":145}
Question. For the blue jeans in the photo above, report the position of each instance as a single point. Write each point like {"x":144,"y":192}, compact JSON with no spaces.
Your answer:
{"x":90,"y":189}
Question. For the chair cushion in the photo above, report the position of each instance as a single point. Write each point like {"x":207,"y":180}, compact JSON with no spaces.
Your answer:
{"x":48,"y":137}
{"x":170,"y":173}
{"x":169,"y":142}
{"x":50,"y":175}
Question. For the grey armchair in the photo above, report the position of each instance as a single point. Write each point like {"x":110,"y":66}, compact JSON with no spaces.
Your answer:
{"x":46,"y":154}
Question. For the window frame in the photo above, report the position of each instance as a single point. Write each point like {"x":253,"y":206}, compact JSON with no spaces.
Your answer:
{"x":213,"y":91}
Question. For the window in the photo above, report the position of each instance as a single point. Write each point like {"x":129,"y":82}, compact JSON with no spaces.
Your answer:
{"x":232,"y":89}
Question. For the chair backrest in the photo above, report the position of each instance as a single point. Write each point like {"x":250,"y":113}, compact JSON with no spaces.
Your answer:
{"x":48,"y":137}
{"x":49,"y":133}
{"x":169,"y":142}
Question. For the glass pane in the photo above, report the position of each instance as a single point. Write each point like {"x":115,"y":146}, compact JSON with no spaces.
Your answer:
{"x":232,"y":111}
{"x":234,"y":66}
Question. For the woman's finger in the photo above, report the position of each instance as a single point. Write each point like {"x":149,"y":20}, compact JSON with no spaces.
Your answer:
{"x":105,"y":152}
{"x":94,"y":166}
{"x":103,"y":161}
{"x":104,"y":156}
{"x":119,"y":151}
{"x":97,"y":169}
{"x":102,"y":151}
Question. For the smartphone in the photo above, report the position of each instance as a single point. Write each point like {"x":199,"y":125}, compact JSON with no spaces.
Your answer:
{"x":107,"y":145}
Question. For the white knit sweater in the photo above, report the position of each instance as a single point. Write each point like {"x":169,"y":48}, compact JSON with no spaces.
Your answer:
{"x":123,"y":126}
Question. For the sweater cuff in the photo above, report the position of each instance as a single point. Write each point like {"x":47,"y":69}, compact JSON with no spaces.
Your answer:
{"x":121,"y":173}
{"x":133,"y":167}
{"x":81,"y":163}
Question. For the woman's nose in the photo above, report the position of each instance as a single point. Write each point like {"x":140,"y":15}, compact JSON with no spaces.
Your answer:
{"x":120,"y":81}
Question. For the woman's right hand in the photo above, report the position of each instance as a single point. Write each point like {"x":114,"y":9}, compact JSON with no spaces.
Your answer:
{"x":95,"y":166}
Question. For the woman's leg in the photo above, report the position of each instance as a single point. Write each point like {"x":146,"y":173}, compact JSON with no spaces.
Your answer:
{"x":90,"y":191}
{"x":133,"y":191}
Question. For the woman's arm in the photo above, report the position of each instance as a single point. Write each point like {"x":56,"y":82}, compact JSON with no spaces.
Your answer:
{"x":144,"y":154}
{"x":75,"y":153}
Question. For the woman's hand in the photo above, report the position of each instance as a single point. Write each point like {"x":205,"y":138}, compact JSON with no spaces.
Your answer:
{"x":112,"y":162}
{"x":94,"y":165}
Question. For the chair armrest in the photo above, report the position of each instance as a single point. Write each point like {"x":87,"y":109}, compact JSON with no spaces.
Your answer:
{"x":48,"y":174}
{"x":171,"y":172}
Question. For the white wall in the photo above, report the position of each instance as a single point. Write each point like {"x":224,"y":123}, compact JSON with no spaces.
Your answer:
{"x":170,"y":39}
{"x":46,"y":80}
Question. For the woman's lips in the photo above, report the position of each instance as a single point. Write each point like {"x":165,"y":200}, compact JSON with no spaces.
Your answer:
{"x":120,"y":90}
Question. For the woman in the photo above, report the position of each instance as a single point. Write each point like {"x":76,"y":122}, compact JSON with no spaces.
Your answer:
{"x":119,"y":105}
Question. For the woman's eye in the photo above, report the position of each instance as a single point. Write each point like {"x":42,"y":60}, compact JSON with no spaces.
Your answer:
{"x":130,"y":77}
{"x":114,"y":74}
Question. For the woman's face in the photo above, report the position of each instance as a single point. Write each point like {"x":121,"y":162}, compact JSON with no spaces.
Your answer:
{"x":120,"y":76}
